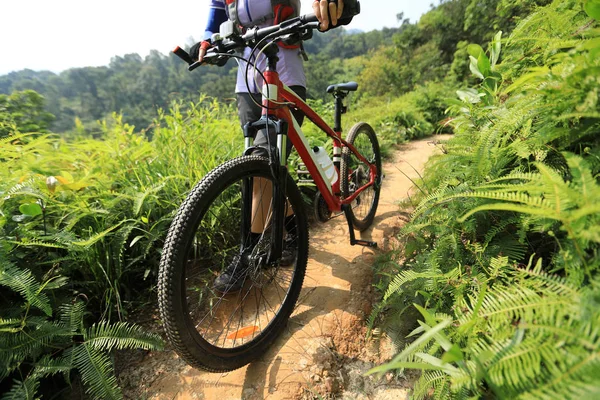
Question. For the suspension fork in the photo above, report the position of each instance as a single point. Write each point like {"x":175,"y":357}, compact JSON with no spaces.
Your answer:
{"x":278,"y":162}
{"x":278,"y":166}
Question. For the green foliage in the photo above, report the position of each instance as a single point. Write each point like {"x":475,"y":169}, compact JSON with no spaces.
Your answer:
{"x":98,"y":210}
{"x":23,"y":112}
{"x":414,"y":115}
{"x":36,"y":345}
{"x":502,"y":254}
{"x":592,"y":8}
{"x":505,"y":343}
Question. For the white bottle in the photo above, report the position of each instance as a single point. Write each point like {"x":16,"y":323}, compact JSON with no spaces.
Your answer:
{"x":322,"y":158}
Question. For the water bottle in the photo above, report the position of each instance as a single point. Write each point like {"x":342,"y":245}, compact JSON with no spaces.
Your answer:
{"x":322,"y":158}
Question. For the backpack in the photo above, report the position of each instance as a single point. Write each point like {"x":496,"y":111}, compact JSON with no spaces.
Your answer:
{"x":249,"y":13}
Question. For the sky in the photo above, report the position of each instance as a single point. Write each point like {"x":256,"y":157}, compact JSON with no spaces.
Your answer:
{"x":62,"y":34}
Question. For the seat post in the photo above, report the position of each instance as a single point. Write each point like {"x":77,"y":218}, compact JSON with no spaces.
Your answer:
{"x":339,"y":110}
{"x":340,"y":92}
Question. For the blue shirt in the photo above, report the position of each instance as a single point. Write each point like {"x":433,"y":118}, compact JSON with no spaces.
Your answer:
{"x":290,"y":65}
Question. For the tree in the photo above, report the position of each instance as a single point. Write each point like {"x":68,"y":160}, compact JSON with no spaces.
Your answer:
{"x":23,"y":112}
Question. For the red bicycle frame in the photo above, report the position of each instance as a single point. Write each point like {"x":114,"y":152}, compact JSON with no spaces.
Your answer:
{"x":277,"y":98}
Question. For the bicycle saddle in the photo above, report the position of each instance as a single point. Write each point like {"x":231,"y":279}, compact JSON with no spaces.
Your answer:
{"x":343,"y":87}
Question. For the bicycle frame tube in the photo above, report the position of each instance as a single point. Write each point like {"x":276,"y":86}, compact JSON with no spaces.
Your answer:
{"x":274,"y":89}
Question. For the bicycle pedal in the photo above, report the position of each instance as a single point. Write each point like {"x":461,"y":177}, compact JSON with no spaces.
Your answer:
{"x":366,"y":243}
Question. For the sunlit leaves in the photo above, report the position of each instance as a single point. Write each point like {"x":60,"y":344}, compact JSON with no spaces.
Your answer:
{"x":30,"y":209}
{"x":505,"y":241}
{"x":592,"y":8}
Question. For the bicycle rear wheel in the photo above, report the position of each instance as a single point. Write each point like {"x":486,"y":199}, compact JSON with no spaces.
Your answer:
{"x":210,"y":329}
{"x":356,"y":173}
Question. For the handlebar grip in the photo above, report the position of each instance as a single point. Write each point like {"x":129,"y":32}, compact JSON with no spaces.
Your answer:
{"x":308,"y":18}
{"x":179,"y":52}
{"x":194,"y":65}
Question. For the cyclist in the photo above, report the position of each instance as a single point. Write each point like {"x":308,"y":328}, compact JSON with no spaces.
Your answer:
{"x":262,"y":13}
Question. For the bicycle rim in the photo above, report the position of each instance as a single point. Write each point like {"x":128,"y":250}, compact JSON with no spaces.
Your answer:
{"x":356,"y":173}
{"x":211,"y":327}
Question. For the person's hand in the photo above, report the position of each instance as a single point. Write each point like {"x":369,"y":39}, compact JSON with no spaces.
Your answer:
{"x":198,"y":51}
{"x":326,"y":9}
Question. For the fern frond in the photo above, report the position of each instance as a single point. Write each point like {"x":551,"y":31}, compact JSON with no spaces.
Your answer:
{"x":10,"y":325}
{"x":519,"y":367}
{"x":120,"y":335}
{"x":507,"y":245}
{"x":405,"y":277}
{"x":26,"y":242}
{"x":73,"y":257}
{"x":24,"y":283}
{"x":71,"y":316}
{"x":121,"y":244}
{"x":523,"y":209}
{"x":23,"y":188}
{"x":523,"y":304}
{"x":439,"y":195}
{"x":49,"y":366}
{"x":96,"y":372}
{"x":551,"y":283}
{"x":429,"y":379}
{"x":580,"y":378}
{"x":16,"y":347}
{"x":23,"y":390}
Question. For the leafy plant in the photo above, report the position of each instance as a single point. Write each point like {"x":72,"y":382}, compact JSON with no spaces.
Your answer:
{"x":36,"y":342}
{"x":502,"y":255}
{"x":502,"y":342}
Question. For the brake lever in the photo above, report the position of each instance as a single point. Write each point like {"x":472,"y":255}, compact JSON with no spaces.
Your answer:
{"x":211,"y":58}
{"x":195,"y":65}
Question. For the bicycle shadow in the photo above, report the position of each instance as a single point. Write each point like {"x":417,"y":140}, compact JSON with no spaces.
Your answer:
{"x":336,"y":293}
{"x":285,"y":366}
{"x":325,"y":305}
{"x":322,"y":313}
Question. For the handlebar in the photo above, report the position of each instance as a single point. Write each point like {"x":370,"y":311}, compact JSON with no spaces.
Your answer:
{"x":301,"y":27}
{"x":222,"y":47}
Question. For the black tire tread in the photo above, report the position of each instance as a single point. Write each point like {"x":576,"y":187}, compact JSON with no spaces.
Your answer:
{"x":167,"y":280}
{"x":361,"y":225}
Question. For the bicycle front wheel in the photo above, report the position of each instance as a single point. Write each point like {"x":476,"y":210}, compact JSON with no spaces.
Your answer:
{"x":356,"y":173}
{"x":222,"y":299}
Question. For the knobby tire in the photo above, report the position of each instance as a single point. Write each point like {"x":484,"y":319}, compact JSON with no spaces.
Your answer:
{"x":192,"y":258}
{"x":355,"y":173}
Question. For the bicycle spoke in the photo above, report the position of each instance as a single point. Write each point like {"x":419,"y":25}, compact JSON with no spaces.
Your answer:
{"x":219,"y":318}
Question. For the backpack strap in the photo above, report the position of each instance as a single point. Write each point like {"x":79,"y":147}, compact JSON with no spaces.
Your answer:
{"x":232,"y":11}
{"x":282,"y":11}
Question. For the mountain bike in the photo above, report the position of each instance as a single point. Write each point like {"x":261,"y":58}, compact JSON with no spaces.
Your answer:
{"x":217,"y":329}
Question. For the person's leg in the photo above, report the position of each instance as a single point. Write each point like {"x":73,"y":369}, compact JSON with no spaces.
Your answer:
{"x":229,"y":280}
{"x":250,"y":111}
{"x":288,"y":255}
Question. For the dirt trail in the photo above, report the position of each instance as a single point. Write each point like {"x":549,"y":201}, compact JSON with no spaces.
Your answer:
{"x":323,"y":350}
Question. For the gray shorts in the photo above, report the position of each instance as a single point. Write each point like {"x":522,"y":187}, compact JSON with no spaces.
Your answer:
{"x":249,"y":111}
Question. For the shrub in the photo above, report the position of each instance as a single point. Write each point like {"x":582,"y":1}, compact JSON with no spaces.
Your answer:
{"x":502,"y":254}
